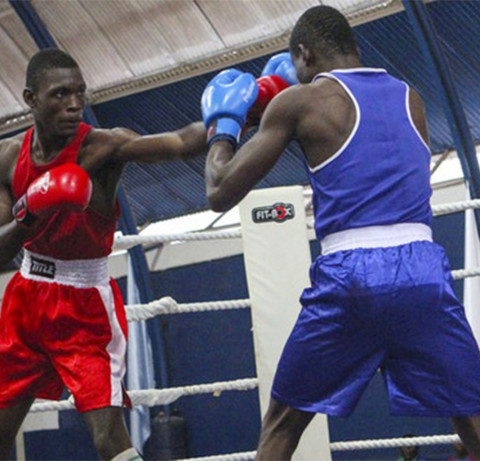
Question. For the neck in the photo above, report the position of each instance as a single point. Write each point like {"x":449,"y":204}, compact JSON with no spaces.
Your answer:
{"x":349,"y":61}
{"x":46,"y":145}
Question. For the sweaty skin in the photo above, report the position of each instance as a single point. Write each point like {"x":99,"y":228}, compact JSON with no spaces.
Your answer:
{"x":57,"y":108}
{"x":319,"y":115}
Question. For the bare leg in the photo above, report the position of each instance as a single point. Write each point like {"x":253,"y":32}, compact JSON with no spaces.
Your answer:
{"x":10,"y":421}
{"x":109,"y":432}
{"x":282,"y":428}
{"x":469,"y":431}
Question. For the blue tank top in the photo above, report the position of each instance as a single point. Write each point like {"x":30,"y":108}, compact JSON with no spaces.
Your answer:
{"x":381,"y":175}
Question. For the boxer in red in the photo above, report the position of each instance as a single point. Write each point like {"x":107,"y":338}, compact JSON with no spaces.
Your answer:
{"x":63,"y":321}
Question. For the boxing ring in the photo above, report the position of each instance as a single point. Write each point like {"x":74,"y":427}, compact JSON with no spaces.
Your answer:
{"x":167,"y":306}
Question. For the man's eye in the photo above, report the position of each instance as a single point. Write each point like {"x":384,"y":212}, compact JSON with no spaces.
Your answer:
{"x":59,"y":94}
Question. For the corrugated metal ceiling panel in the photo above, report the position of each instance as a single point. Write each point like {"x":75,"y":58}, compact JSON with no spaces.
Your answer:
{"x":17,"y":46}
{"x":238,"y":22}
{"x":8,"y":98}
{"x":152,"y":35}
{"x":354,"y":7}
{"x":388,"y":42}
{"x":130,"y":45}
{"x":76,"y":30}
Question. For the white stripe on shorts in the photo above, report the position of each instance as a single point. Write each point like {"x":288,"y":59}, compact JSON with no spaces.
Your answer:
{"x":116,"y":348}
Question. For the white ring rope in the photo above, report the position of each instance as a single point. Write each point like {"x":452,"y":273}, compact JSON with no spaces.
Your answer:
{"x":348,"y":446}
{"x":243,"y":456}
{"x":397,"y":442}
{"x":455,"y":207}
{"x":465,"y":273}
{"x":128,"y":241}
{"x":154,"y":397}
{"x":167,"y":305}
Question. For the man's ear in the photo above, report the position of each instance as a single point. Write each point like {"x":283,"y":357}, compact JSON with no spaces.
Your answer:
{"x":306,"y":54}
{"x":29,"y":97}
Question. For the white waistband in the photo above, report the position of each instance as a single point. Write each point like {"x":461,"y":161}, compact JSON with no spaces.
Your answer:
{"x":376,"y":236}
{"x":81,"y":273}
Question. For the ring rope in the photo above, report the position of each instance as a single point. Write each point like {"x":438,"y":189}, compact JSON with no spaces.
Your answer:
{"x":167,"y":305}
{"x":125,"y":242}
{"x":128,"y":241}
{"x":348,"y":446}
{"x":465,"y":273}
{"x":396,"y":442}
{"x":455,"y":207}
{"x":243,"y":456}
{"x":154,"y":397}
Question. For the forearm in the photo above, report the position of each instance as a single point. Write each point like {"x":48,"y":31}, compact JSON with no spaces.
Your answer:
{"x":194,"y":138}
{"x":12,"y":238}
{"x":216,"y":176}
{"x":185,"y":142}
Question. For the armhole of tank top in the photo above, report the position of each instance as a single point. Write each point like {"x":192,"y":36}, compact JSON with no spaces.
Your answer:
{"x":354,"y":129}
{"x":410,"y":119}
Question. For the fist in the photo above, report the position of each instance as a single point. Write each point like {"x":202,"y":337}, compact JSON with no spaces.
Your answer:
{"x":66,"y":187}
{"x":225,"y":104}
{"x":268,"y":87}
{"x":281,"y":65}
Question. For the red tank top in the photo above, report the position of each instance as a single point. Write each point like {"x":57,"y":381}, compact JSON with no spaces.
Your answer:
{"x":64,"y":235}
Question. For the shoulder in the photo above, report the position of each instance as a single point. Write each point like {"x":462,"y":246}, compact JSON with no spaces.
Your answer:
{"x":323,"y":97}
{"x":113,"y":138}
{"x":15,"y":142}
{"x":102,"y":145}
{"x":321,"y":90}
{"x":9,"y":151}
{"x":330,"y":89}
{"x":10,"y":147}
{"x":290,"y":102}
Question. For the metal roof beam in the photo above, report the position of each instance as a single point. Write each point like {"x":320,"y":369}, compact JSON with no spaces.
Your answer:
{"x":436,"y":61}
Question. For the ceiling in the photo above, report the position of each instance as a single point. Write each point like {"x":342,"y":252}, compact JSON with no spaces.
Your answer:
{"x":148,"y":61}
{"x":126,"y":46}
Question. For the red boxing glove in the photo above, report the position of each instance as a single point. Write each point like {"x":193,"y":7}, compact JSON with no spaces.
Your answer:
{"x":66,"y":187}
{"x":268,"y":87}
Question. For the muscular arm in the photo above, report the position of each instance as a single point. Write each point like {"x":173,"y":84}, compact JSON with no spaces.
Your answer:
{"x":230,"y":176}
{"x":185,"y":142}
{"x":417,"y":109}
{"x":12,"y":235}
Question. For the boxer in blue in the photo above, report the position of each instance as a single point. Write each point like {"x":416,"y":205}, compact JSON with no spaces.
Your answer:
{"x":381,"y":293}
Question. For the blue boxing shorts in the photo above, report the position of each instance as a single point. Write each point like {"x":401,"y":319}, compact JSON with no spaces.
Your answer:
{"x":388,"y":308}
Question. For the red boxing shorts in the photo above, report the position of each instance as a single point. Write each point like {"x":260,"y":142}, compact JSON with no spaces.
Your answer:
{"x":63,"y":323}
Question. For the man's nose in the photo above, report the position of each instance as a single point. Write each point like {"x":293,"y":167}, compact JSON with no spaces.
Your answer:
{"x":75,"y":103}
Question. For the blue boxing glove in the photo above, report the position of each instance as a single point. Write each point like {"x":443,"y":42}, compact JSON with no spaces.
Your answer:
{"x":282,"y":66}
{"x":225,"y":103}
